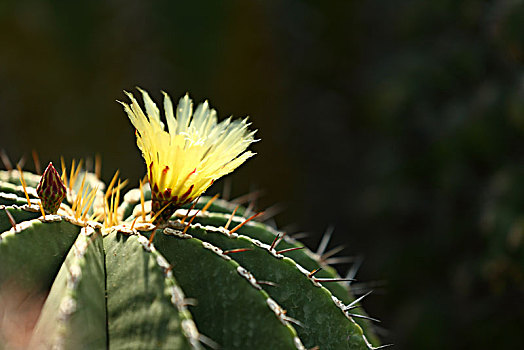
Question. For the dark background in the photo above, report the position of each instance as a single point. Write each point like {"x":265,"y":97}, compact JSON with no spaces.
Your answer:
{"x":400,"y":123}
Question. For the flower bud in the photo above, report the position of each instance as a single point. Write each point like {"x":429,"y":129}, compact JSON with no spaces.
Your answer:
{"x":51,"y":190}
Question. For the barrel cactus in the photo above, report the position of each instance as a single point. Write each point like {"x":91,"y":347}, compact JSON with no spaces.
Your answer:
{"x":163,"y":266}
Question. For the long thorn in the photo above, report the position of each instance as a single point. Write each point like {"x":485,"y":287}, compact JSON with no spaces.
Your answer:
{"x":279,"y":239}
{"x":294,"y":321}
{"x":275,"y":241}
{"x":121,"y":185}
{"x":106,"y":213}
{"x":90,"y":200}
{"x":72,"y":174}
{"x":325,"y":240}
{"x":364,"y":287}
{"x":340,"y":260}
{"x":208,"y":204}
{"x":152,"y":235}
{"x":133,"y":224}
{"x":77,"y":172}
{"x":231,"y":217}
{"x":11,"y":218}
{"x":95,"y":217}
{"x":312,"y":273}
{"x":364,"y":317}
{"x":159,"y":212}
{"x":191,"y":208}
{"x":36,"y":160}
{"x":333,"y":279}
{"x":112,"y":207}
{"x":245,"y":222}
{"x":332,"y":252}
{"x":348,"y":308}
{"x":79,"y":196}
{"x":239,"y":250}
{"x":89,"y":165}
{"x":86,"y":202}
{"x":272,"y":211}
{"x":117,"y":202}
{"x":111,"y":184}
{"x":21,"y":174}
{"x":354,"y":268}
{"x":64,"y":172}
{"x":210,"y":343}
{"x":289,"y":250}
{"x":250,"y":208}
{"x":21,"y":162}
{"x":191,"y":221}
{"x":248,"y":197}
{"x":356,"y":301}
{"x":5,"y":160}
{"x":227,"y":188}
{"x":299,"y":235}
{"x":41,"y":209}
{"x":98,"y":165}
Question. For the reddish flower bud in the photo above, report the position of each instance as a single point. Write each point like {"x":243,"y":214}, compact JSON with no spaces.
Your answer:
{"x":51,"y":190}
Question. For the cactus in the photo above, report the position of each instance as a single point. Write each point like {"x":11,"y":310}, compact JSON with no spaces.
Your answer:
{"x":158,"y":270}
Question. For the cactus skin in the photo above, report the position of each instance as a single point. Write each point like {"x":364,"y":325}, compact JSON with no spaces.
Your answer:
{"x":219,"y":213}
{"x":179,"y":292}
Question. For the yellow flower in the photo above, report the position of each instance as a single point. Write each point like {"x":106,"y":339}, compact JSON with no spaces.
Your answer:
{"x":197,"y":150}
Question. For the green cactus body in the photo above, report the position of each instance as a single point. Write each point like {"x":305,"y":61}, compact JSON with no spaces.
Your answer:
{"x":219,"y":213}
{"x":160,"y":319}
{"x":110,"y":288}
{"x":13,"y":177}
{"x":166,"y":268}
{"x":74,"y":314}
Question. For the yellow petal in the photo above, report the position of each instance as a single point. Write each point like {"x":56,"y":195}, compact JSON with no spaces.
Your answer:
{"x":196,"y":150}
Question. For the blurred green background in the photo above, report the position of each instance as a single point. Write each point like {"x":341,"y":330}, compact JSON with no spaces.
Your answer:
{"x":401,"y":123}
